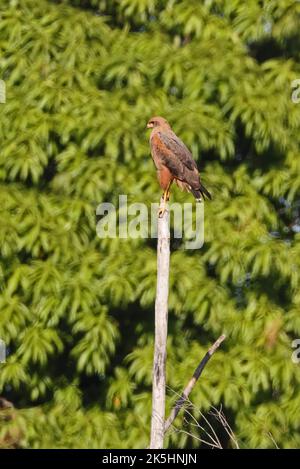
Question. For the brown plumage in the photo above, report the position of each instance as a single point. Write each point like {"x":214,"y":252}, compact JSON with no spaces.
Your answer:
{"x":173,"y":161}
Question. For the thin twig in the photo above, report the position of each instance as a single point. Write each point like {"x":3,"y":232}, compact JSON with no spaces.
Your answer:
{"x":200,"y":439}
{"x":272,"y":439}
{"x":219,"y":415}
{"x":214,"y":438}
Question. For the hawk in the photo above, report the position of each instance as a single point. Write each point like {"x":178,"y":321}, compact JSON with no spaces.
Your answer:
{"x":173,"y":162}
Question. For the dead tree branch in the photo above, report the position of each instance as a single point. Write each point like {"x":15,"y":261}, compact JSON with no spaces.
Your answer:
{"x":184,"y":396}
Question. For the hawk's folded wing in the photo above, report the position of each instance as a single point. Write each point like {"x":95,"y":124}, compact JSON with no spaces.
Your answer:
{"x":170,"y":151}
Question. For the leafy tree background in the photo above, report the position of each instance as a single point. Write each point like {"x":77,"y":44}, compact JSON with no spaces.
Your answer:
{"x":76,"y":312}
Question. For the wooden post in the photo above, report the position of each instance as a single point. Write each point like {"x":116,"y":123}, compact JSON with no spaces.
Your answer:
{"x":161,"y":333}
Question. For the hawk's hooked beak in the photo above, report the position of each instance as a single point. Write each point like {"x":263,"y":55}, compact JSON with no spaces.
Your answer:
{"x":149,"y":125}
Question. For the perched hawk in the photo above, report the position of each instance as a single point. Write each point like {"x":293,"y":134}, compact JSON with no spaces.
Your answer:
{"x":173,"y":161}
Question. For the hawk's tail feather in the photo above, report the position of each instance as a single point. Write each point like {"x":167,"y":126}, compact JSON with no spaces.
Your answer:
{"x":205,"y":192}
{"x":201,"y":192}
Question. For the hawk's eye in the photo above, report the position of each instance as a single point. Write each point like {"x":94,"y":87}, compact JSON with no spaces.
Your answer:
{"x":151,"y":124}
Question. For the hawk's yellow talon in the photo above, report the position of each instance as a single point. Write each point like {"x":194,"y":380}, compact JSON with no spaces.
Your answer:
{"x":161,"y":211}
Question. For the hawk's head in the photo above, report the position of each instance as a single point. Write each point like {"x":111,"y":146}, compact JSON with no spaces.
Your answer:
{"x":157,"y":122}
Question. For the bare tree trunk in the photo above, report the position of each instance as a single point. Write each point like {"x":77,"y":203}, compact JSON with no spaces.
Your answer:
{"x":161,"y":332}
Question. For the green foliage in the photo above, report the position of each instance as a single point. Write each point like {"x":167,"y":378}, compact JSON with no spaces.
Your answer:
{"x":76,"y":312}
